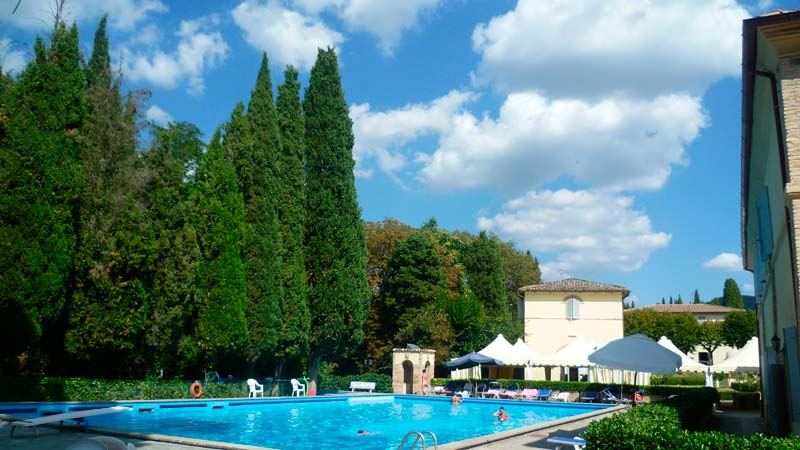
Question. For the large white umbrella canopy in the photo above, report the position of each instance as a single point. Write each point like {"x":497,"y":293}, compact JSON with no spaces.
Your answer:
{"x":574,"y":354}
{"x":638,"y":353}
{"x":525,"y":353}
{"x":746,"y":360}
{"x":501,"y":349}
{"x":687,"y":363}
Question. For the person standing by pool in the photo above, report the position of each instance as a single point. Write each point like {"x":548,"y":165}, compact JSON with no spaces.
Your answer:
{"x":501,"y":414}
{"x":426,"y":378}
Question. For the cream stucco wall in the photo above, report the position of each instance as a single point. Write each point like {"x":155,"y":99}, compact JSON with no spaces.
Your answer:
{"x":547,"y":328}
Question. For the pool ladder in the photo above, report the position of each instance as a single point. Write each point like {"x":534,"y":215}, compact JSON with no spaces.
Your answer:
{"x":419,"y":436}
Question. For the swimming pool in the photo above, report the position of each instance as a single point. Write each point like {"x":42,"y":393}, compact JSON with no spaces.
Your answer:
{"x":323,"y":423}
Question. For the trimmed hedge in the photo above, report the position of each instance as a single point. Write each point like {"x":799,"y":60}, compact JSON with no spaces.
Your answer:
{"x":15,"y":389}
{"x":641,"y":428}
{"x":678,"y":380}
{"x":695,"y":407}
{"x":747,"y":386}
{"x":329,"y":382}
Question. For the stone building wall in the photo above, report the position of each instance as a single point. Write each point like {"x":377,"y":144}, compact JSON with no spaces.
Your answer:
{"x":407,"y":369}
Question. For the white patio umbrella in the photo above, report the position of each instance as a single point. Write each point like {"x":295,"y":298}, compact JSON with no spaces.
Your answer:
{"x":638,"y":353}
{"x":687,"y":364}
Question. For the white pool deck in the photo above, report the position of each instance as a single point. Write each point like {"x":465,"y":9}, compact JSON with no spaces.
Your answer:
{"x":528,"y":438}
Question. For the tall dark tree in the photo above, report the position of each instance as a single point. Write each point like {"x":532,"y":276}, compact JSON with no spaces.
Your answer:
{"x":41,"y":183}
{"x":484,"y":270}
{"x":254,"y":145}
{"x":169,"y":168}
{"x":696,"y":297}
{"x":108,"y":313}
{"x":336,"y":257}
{"x":679,"y":301}
{"x":738,"y":328}
{"x":293,"y":338}
{"x":731,"y":295}
{"x":220,"y":328}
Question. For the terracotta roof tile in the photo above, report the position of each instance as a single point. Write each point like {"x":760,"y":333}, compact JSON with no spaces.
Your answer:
{"x":689,"y":307}
{"x":575,"y":285}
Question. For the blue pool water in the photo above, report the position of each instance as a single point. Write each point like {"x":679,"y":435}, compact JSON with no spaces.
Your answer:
{"x":329,"y":422}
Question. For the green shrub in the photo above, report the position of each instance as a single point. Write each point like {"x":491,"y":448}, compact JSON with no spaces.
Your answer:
{"x":695,"y":407}
{"x":14,"y":389}
{"x":666,"y":391}
{"x":644,"y":427}
{"x":653,"y":426}
{"x":330,"y":382}
{"x":746,"y":400}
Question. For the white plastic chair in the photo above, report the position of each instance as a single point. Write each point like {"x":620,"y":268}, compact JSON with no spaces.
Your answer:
{"x":298,"y":388}
{"x":255,"y":388}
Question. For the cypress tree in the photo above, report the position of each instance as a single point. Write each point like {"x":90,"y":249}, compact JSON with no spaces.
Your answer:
{"x":696,"y":297}
{"x":293,"y":338}
{"x":41,"y":183}
{"x":679,"y":301}
{"x":336,"y":259}
{"x":484,"y":268}
{"x":108,"y":315}
{"x":731,"y":296}
{"x":220,"y":328}
{"x":254,"y":145}
{"x":172,"y":236}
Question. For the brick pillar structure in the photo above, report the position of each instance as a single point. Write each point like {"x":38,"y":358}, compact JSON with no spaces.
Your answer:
{"x":408,"y":365}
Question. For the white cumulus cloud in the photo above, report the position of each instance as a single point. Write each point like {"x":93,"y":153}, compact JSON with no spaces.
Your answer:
{"x":588,"y":231}
{"x":614,"y":143}
{"x":730,"y":262}
{"x":158,"y":116}
{"x":385,"y":136}
{"x":199,"y":49}
{"x":590,"y":47}
{"x":386,"y":20}
{"x":39,"y":14}
{"x":287,"y":36}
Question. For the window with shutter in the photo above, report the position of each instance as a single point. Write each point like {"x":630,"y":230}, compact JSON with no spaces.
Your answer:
{"x":572,"y":308}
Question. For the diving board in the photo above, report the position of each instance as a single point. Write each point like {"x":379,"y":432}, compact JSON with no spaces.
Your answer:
{"x":77,"y":416}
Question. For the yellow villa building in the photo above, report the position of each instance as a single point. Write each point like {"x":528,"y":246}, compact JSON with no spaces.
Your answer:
{"x":771,"y":204}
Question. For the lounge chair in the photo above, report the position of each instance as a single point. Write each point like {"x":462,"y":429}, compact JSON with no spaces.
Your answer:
{"x":492,"y":393}
{"x":77,"y":416}
{"x":467,"y":390}
{"x":528,"y":394}
{"x":589,"y":397}
{"x":561,"y":397}
{"x":610,"y":397}
{"x":544,"y":394}
{"x":480,"y":390}
{"x":298,"y":388}
{"x":255,"y":388}
{"x":577,"y":443}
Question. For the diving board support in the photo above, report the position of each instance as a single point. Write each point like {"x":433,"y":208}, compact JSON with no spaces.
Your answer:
{"x":77,"y":416}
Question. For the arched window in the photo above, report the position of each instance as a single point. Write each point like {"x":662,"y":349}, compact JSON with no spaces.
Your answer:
{"x":572,"y":308}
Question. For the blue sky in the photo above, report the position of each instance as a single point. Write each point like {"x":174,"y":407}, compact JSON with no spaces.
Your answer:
{"x":602,"y":136}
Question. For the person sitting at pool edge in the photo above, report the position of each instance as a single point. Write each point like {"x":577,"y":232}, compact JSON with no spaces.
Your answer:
{"x":501,"y":414}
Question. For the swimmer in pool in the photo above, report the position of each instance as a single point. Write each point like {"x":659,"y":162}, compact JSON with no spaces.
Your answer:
{"x":501,"y":414}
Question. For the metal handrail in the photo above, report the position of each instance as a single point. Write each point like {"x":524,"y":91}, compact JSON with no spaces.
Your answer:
{"x":420,"y":435}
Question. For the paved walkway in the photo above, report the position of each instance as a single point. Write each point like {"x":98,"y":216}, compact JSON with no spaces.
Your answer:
{"x":728,"y":421}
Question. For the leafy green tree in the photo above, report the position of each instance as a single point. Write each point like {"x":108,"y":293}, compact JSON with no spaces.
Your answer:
{"x":696,"y":297}
{"x":468,"y":322}
{"x":41,"y":183}
{"x":336,"y":257}
{"x":519,"y":269}
{"x":220,"y":328}
{"x":293,"y":339}
{"x":680,"y":328}
{"x":169,"y":171}
{"x":738,"y":328}
{"x":731,"y":296}
{"x":711,"y":337}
